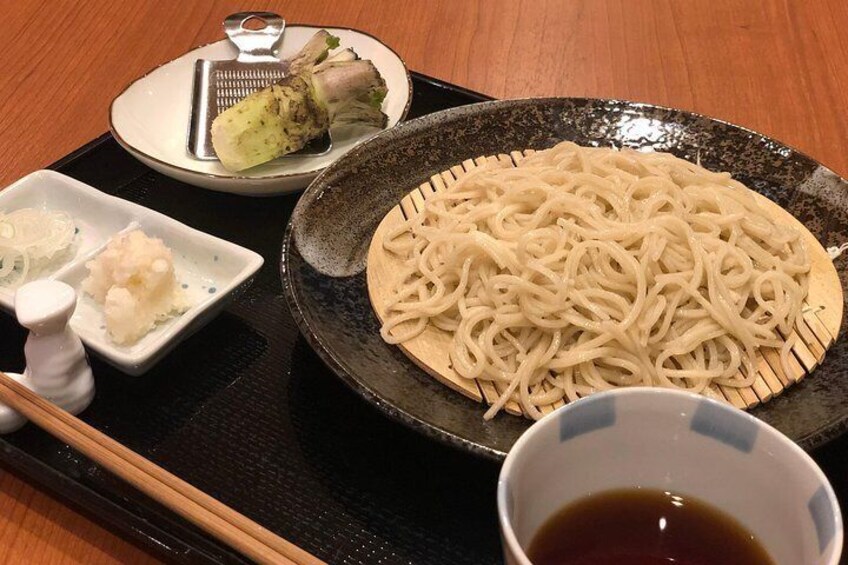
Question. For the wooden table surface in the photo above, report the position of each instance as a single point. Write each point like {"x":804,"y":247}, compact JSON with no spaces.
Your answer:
{"x":776,"y":66}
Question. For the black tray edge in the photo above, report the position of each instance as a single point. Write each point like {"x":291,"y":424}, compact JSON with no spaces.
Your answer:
{"x":80,"y":151}
{"x":103,"y":512}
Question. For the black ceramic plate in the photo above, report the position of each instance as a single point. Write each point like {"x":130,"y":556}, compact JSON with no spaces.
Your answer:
{"x":327,"y":239}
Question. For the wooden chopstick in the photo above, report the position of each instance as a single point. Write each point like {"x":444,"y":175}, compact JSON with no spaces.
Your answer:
{"x":234,"y":529}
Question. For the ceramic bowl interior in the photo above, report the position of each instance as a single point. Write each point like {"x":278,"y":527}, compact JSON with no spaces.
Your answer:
{"x":331,"y":228}
{"x":675,"y":442}
{"x":151,"y":117}
{"x":209,"y":268}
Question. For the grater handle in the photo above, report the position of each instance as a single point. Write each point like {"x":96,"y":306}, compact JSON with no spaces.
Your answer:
{"x":256,"y":45}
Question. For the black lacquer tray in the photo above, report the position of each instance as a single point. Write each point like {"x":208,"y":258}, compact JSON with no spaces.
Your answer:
{"x":246,"y":411}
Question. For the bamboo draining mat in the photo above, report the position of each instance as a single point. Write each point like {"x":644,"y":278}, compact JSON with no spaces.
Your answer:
{"x":814,"y":333}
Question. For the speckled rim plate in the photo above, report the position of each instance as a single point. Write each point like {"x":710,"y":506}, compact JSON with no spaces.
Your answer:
{"x":326,"y":242}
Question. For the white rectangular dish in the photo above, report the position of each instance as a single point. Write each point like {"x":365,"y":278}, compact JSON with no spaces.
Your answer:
{"x":209,"y":268}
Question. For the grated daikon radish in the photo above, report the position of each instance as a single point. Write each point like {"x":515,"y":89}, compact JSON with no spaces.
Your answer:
{"x":133,"y":280}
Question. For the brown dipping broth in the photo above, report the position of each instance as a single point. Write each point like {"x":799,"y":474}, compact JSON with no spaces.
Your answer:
{"x":644,"y":527}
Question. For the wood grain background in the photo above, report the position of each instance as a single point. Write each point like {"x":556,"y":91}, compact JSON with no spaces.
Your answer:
{"x":776,"y":66}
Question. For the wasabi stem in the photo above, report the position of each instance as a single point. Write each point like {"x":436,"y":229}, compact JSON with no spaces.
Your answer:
{"x":315,"y":51}
{"x":341,"y":56}
{"x":352,"y":92}
{"x":322,"y":91}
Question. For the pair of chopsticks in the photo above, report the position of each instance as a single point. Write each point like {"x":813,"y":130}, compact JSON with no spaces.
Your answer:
{"x":219,"y":520}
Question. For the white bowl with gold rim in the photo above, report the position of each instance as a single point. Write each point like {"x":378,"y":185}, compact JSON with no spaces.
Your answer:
{"x":150,"y":118}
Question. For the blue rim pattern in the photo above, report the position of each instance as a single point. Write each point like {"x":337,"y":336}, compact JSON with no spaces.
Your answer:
{"x":593,"y":413}
{"x":822,"y":514}
{"x":713,"y":420}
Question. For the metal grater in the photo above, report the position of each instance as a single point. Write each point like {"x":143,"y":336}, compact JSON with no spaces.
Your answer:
{"x":220,"y":84}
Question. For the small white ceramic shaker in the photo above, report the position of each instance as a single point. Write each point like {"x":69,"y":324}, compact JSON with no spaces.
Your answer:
{"x":57,"y":367}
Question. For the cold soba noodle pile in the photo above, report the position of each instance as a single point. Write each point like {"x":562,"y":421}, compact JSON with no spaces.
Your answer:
{"x":585,"y":269}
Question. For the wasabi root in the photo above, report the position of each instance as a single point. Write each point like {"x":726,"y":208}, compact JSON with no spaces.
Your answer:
{"x":321,"y":91}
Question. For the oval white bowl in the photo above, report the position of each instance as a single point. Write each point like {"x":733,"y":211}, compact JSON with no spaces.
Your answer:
{"x":150,"y":118}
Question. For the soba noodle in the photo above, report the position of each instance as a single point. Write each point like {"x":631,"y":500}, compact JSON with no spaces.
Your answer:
{"x":585,"y":269}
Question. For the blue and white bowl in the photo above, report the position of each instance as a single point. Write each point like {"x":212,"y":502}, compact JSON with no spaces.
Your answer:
{"x":678,"y":442}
